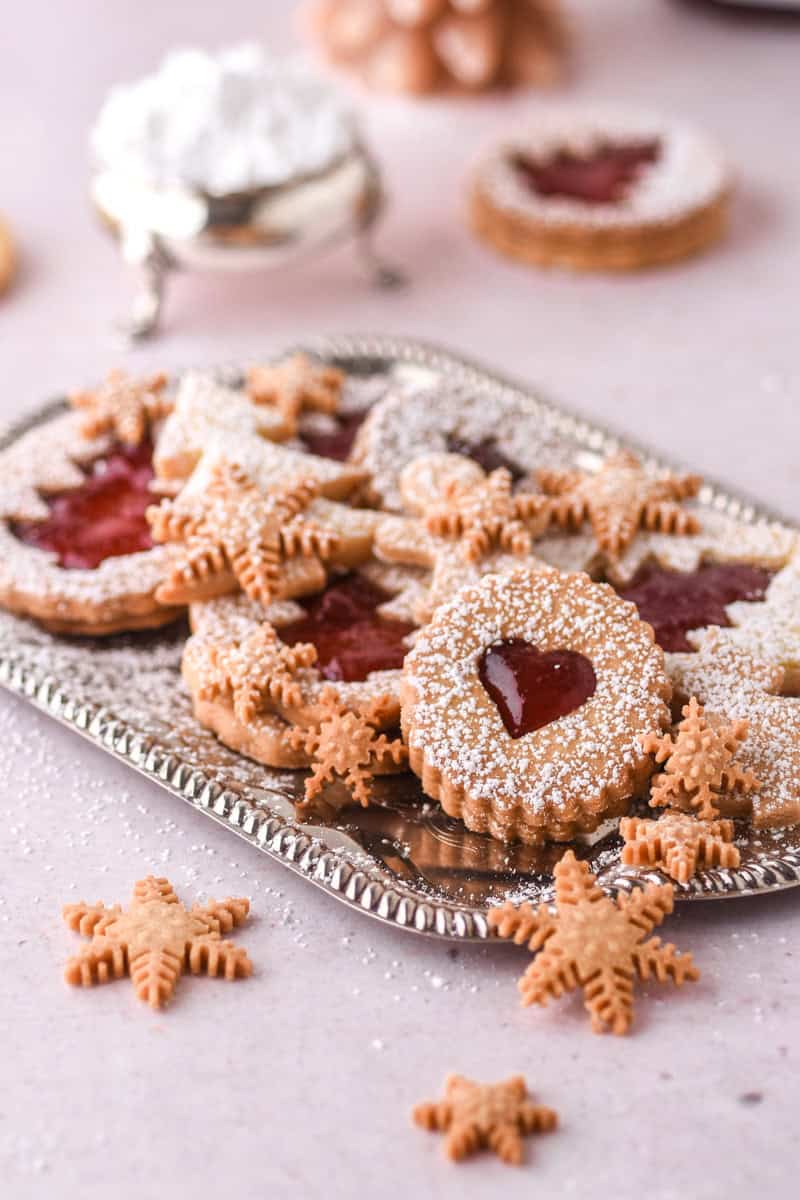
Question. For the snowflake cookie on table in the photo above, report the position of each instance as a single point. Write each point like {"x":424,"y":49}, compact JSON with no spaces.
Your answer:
{"x":595,"y":943}
{"x":491,"y":1116}
{"x":155,"y":940}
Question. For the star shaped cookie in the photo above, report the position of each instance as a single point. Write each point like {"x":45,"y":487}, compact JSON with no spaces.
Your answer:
{"x":491,"y":1116}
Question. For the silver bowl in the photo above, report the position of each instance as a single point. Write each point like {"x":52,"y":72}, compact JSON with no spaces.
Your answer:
{"x":170,"y":227}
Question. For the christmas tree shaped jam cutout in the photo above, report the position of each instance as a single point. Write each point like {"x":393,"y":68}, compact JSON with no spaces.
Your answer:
{"x":490,"y":1116}
{"x":595,"y":943}
{"x":155,"y":940}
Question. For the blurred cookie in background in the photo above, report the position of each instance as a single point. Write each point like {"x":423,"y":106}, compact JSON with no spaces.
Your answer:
{"x":7,"y":256}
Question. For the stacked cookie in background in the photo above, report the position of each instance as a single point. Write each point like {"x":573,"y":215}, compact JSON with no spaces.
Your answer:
{"x":383,"y":576}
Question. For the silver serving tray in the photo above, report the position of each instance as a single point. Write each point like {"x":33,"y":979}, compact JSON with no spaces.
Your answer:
{"x":401,"y":860}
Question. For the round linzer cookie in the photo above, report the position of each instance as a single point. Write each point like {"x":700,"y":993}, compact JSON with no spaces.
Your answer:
{"x":524,"y":702}
{"x":308,"y":410}
{"x":601,"y":190}
{"x":75,"y":547}
{"x":496,"y":429}
{"x":248,"y":666}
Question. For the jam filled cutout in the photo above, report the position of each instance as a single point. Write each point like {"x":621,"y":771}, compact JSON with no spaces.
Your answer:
{"x":674,"y":602}
{"x":533,"y":687}
{"x":600,"y":177}
{"x":103,"y":518}
{"x":337,"y":442}
{"x":350,"y":637}
{"x":486,"y":453}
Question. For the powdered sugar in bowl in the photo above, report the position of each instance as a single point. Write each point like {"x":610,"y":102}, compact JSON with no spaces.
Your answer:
{"x":229,"y":161}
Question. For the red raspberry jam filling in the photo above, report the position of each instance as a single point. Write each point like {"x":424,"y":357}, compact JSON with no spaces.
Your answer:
{"x":601,"y":177}
{"x":101,"y":519}
{"x":533,"y":687}
{"x":674,"y":602}
{"x":351,"y":638}
{"x":335,"y":443}
{"x":486,"y":454}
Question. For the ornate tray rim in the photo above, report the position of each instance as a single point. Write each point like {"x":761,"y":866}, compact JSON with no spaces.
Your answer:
{"x":331,"y":869}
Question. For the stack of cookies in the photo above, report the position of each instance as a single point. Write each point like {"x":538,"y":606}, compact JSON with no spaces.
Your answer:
{"x":382,"y":578}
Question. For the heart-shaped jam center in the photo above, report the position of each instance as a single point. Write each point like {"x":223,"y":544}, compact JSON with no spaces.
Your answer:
{"x":351,"y":638}
{"x":533,"y":687}
{"x":674,"y":602}
{"x":102,"y":518}
{"x":601,"y":177}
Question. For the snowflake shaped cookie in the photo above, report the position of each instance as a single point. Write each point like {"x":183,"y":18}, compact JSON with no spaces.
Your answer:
{"x":467,"y":524}
{"x":345,"y":746}
{"x":736,"y":686}
{"x":491,"y":1116}
{"x":234,"y":533}
{"x":294,"y":386}
{"x":254,"y":672}
{"x":678,"y":844}
{"x":619,"y":500}
{"x":698,"y":763}
{"x":123,"y":407}
{"x":154,"y":940}
{"x":595,"y":943}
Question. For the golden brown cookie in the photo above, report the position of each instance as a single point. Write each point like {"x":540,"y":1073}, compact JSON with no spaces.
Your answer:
{"x":75,"y":547}
{"x":524,"y":702}
{"x":595,"y":190}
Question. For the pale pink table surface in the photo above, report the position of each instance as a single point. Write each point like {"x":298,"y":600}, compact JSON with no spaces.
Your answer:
{"x":299,"y":1082}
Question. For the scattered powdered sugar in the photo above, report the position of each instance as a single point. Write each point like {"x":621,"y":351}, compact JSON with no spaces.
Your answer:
{"x":690,"y":171}
{"x":566,"y":767}
{"x":223,"y":122}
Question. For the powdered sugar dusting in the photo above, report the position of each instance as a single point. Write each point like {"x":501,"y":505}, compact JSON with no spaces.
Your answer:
{"x":567,"y":767}
{"x":689,"y":173}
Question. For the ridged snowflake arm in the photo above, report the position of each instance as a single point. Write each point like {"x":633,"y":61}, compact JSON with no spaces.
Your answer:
{"x":614,"y":530}
{"x":155,"y":887}
{"x":646,"y":907}
{"x":608,"y":998}
{"x":660,"y":746}
{"x":663,"y":962}
{"x":523,"y":925}
{"x":99,"y":962}
{"x":391,"y":750}
{"x":223,"y":915}
{"x":257,"y":567}
{"x":515,"y":538}
{"x":176,"y":520}
{"x":739,"y":777}
{"x":556,"y":483}
{"x":303,"y":537}
{"x":202,"y":560}
{"x":549,"y":976}
{"x":506,"y":1142}
{"x":463,"y":1140}
{"x":359,"y":784}
{"x":207,"y":955}
{"x":703,"y":799}
{"x":535,"y":1118}
{"x":680,"y":860}
{"x":575,"y":882}
{"x":84,"y":918}
{"x":435,"y":1116}
{"x":664,"y":516}
{"x":154,"y":974}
